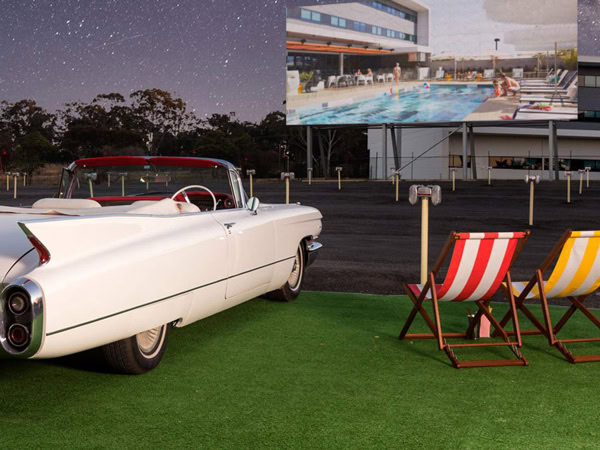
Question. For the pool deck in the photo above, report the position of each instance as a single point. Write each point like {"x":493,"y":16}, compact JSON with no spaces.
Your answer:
{"x":494,"y":109}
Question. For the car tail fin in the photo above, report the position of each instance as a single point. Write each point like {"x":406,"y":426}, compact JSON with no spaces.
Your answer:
{"x":43,"y":252}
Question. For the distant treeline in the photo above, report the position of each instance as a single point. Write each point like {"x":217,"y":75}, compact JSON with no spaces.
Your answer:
{"x":153,"y":122}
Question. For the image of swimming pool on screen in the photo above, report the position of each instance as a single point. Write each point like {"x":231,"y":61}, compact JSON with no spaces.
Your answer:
{"x":409,"y":61}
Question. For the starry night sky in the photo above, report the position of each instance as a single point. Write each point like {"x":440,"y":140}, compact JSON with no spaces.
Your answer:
{"x":218,"y":55}
{"x":589,"y":28}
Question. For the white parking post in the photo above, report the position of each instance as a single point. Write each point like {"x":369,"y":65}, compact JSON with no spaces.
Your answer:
{"x":425,"y":193}
{"x":581,"y":171}
{"x":287,"y":176}
{"x":310,"y":171}
{"x":587,"y":176}
{"x":489,"y":175}
{"x":251,"y":173}
{"x":532,"y":181}
{"x":568,"y":173}
{"x":108,"y":179}
{"x":15,"y":178}
{"x":339,"y":172}
{"x":453,"y":171}
{"x":8,"y":175}
{"x":25,"y":179}
{"x":91,"y":188}
{"x":123,"y":175}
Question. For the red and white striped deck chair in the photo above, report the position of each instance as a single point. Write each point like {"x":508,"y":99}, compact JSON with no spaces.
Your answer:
{"x":576,"y":275}
{"x":479,"y":264}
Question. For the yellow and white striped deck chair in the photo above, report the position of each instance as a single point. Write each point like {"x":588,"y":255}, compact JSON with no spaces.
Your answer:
{"x":576,"y":275}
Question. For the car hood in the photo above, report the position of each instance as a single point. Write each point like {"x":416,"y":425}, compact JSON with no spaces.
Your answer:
{"x":14,"y":245}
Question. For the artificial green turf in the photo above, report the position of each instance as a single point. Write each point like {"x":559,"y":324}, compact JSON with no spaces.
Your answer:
{"x":325,"y":371}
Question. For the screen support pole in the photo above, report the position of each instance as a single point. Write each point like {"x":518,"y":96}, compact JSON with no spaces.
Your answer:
{"x":464,"y":158}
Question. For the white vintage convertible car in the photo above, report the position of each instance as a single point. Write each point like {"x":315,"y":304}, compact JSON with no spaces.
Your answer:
{"x":133,"y":245}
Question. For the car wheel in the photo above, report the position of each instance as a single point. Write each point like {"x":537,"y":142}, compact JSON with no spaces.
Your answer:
{"x":138,"y":354}
{"x":291,"y":289}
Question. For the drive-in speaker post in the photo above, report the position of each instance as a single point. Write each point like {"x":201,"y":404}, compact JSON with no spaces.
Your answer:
{"x":251,"y":173}
{"x":581,"y":172}
{"x":287,"y":176}
{"x":532,"y":180}
{"x":426,"y":194}
{"x":339,"y":174}
{"x":587,"y":176}
{"x":15,"y":181}
{"x":568,"y":174}
{"x":453,"y":172}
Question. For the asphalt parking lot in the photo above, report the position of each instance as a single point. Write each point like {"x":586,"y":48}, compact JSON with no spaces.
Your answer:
{"x":372,"y":244}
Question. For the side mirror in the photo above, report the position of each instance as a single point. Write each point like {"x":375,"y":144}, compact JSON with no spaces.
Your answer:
{"x":253,"y":205}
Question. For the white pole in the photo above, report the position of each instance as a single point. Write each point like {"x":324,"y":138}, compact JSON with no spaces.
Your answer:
{"x":251,"y":189}
{"x":108,"y":179}
{"x":580,"y":182}
{"x":122,"y":185}
{"x":453,"y":179}
{"x":587,"y":175}
{"x":7,"y":181}
{"x":397,"y":187}
{"x":489,"y":175}
{"x":25,"y":179}
{"x":15,"y":185}
{"x":531,"y":188}
{"x":424,"y":237}
{"x":568,"y":187}
{"x":91,"y":188}
{"x":310,"y":176}
{"x":339,"y":180}
{"x":287,"y":189}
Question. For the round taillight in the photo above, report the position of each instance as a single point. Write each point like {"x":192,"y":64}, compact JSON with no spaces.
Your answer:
{"x":18,"y":303}
{"x":18,"y":335}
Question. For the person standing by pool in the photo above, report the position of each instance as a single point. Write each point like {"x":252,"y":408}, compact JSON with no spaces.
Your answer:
{"x":397,"y":73}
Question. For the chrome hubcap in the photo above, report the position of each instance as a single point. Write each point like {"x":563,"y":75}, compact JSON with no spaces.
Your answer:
{"x":294,"y":278}
{"x":149,"y":341}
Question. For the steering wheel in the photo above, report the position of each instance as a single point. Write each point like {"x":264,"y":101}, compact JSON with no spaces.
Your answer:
{"x":187,"y":199}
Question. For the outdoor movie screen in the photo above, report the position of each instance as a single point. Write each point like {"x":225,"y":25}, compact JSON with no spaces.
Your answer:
{"x":403,"y":61}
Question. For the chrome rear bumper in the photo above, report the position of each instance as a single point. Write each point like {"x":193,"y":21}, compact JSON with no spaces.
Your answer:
{"x":312,"y":250}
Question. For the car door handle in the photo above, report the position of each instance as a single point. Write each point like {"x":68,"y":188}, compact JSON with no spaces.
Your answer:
{"x":229,"y":225}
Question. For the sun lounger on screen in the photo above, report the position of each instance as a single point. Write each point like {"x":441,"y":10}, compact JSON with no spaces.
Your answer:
{"x":547,"y":80}
{"x":488,"y":74}
{"x":479,"y":263}
{"x":567,"y":82}
{"x":575,"y":276}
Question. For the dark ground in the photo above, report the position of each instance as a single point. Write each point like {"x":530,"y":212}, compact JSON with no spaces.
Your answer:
{"x":372,"y":244}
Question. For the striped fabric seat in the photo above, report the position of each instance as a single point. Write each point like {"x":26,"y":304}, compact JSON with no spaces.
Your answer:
{"x":576,"y":274}
{"x":577,"y":270}
{"x":478,"y":265}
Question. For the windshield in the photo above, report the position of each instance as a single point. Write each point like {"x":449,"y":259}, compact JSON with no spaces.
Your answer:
{"x":125,"y":184}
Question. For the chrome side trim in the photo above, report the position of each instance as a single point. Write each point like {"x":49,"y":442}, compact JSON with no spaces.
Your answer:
{"x":312,"y":249}
{"x":36,"y":299}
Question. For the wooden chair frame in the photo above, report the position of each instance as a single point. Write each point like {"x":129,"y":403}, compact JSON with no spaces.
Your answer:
{"x":546,"y":328}
{"x":483,"y":310}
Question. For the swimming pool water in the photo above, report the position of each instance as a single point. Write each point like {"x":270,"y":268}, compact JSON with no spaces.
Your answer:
{"x":437,"y":104}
